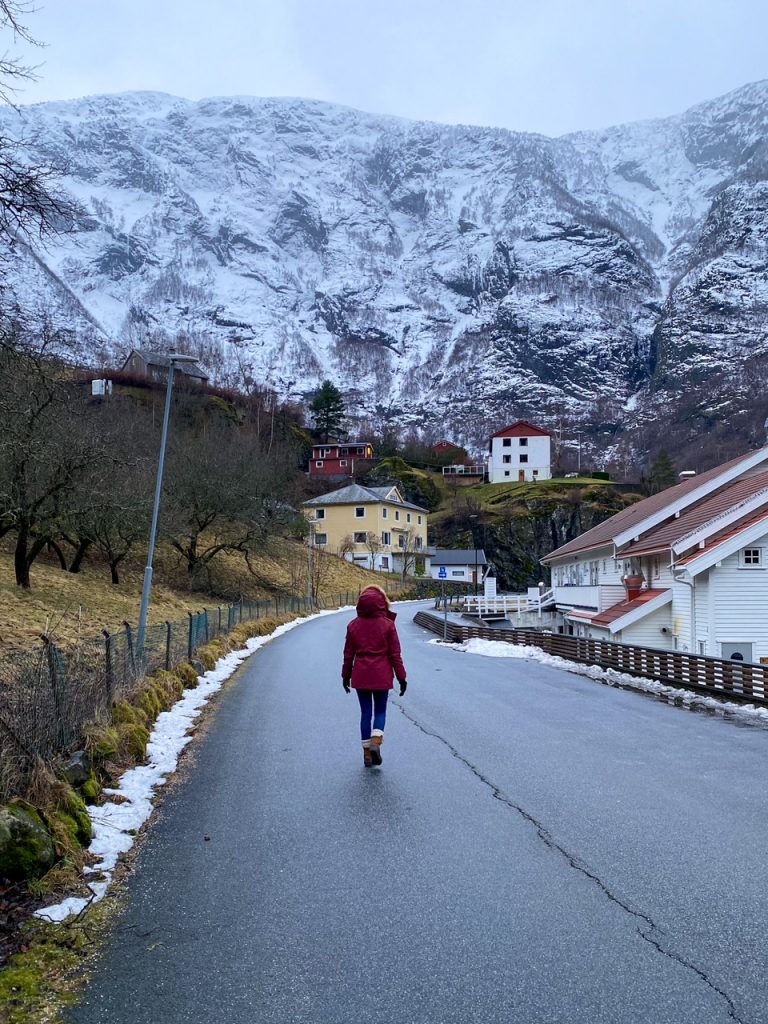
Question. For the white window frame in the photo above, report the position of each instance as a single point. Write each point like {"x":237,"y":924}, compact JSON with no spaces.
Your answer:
{"x":397,"y":515}
{"x":506,"y":442}
{"x":523,"y":457}
{"x":506,"y":459}
{"x":319,"y":513}
{"x":384,"y":513}
{"x":746,"y":554}
{"x":523,"y":442}
{"x":359,"y":537}
{"x":458,"y":572}
{"x":407,"y":517}
{"x":319,"y":464}
{"x":360,"y":512}
{"x":386,"y":538}
{"x":321,"y":539}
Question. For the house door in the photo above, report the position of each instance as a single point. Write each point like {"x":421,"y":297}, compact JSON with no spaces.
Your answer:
{"x":521,"y":475}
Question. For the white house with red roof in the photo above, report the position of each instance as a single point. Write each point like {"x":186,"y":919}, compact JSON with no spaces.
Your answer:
{"x":686,"y":569}
{"x":521,"y":451}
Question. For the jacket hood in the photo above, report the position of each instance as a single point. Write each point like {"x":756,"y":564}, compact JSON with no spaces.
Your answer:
{"x":372,"y":603}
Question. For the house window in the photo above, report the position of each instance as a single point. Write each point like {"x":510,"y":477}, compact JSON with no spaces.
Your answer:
{"x":418,"y":543}
{"x":524,"y":457}
{"x":397,"y":515}
{"x":359,"y":538}
{"x":342,"y":462}
{"x":523,"y":442}
{"x":506,"y":472}
{"x":361,"y":451}
{"x":385,"y":561}
{"x":506,"y":458}
{"x":407,"y":517}
{"x":457,"y":572}
{"x":360,"y":512}
{"x":319,"y":513}
{"x":535,"y":472}
{"x":752,"y":558}
{"x":418,"y":520}
{"x":401,"y":540}
{"x":386,"y":538}
{"x":506,"y":442}
{"x":319,"y":463}
{"x":320,"y":539}
{"x":383,"y":513}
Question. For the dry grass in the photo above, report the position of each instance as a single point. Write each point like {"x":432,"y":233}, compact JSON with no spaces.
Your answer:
{"x":70,"y":606}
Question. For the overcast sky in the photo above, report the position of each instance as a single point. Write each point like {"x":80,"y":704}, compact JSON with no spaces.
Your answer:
{"x":551,"y":66}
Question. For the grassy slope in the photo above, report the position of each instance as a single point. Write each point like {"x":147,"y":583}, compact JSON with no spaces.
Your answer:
{"x":70,"y":605}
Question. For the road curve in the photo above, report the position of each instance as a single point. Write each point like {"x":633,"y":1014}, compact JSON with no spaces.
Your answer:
{"x":537,"y":848}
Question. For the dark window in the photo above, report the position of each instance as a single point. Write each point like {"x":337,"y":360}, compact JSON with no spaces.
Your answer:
{"x":320,"y":513}
{"x":321,"y":538}
{"x":524,"y":458}
{"x":523,"y":442}
{"x":506,"y":442}
{"x":360,"y":512}
{"x":359,"y":538}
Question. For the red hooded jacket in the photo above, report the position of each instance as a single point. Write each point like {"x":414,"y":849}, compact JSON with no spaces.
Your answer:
{"x":372,"y":648}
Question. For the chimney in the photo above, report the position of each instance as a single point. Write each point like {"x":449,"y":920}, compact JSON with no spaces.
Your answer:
{"x":686,"y":474}
{"x":634,"y":584}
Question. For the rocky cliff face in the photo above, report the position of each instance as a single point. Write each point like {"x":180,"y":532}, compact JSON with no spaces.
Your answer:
{"x":446,"y":277}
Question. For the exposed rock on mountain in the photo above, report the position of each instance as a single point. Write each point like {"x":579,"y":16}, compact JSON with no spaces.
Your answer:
{"x":450,"y":276}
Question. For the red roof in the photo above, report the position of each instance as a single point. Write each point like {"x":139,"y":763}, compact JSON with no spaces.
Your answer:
{"x":724,"y":500}
{"x":637,"y":513}
{"x":618,"y":611}
{"x":522,"y":428}
{"x":725,"y":535}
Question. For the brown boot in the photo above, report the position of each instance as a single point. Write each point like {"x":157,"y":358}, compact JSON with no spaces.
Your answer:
{"x":367,"y":757}
{"x":376,"y":740}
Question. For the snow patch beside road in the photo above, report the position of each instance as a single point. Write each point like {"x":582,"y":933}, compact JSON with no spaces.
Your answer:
{"x":608,"y":676}
{"x":117,"y":821}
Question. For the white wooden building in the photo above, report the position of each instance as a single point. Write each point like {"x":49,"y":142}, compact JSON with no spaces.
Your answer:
{"x":686,"y":569}
{"x":520,"y":452}
{"x":460,"y":565}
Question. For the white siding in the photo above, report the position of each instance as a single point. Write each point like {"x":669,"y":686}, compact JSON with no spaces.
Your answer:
{"x":739,"y":604}
{"x":647,"y":632}
{"x":536,"y":451}
{"x":681,"y":616}
{"x":702,"y":606}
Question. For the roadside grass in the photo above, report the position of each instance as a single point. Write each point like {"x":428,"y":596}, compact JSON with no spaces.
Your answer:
{"x":71,"y":606}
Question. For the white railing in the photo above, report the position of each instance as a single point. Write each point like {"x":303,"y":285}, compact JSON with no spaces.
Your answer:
{"x":506,"y":604}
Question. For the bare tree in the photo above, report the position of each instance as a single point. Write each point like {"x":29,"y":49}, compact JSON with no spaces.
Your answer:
{"x":373,"y":545}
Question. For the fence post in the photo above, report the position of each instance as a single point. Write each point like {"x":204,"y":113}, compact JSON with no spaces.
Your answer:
{"x":109,"y":675}
{"x":204,"y":613}
{"x":189,"y":640}
{"x":168,"y":630}
{"x":50,"y":652}
{"x":219,"y":619}
{"x":129,"y":641}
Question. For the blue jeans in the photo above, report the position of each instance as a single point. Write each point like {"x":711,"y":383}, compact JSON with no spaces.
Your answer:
{"x":372,"y":703}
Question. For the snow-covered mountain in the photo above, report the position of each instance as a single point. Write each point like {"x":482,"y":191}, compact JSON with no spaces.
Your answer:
{"x":450,"y":276}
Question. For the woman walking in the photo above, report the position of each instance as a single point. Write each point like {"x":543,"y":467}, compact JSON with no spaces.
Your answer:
{"x":371,"y":658}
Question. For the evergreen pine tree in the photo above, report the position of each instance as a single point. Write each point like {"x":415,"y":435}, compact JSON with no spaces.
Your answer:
{"x":328,"y":412}
{"x":663,"y":473}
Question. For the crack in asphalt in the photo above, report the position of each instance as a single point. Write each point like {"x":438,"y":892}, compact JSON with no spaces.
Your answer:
{"x":578,"y":865}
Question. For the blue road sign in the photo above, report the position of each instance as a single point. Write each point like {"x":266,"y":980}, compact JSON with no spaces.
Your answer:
{"x":442,"y":574}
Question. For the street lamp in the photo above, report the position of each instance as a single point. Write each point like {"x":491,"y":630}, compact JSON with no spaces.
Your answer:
{"x":474,"y":542}
{"x":174,"y":360}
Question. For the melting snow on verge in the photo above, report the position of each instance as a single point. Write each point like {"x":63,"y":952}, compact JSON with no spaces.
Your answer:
{"x":608,"y":676}
{"x":115,"y":824}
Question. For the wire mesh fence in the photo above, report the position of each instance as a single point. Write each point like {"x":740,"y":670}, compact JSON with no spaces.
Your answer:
{"x":49,"y":695}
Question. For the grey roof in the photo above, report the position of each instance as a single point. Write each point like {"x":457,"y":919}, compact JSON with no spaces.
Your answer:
{"x":163,"y":359}
{"x":356,"y":494}
{"x":458,"y":556}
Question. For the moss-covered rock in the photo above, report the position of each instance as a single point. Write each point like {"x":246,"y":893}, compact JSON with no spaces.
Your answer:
{"x":124,"y":713}
{"x":101,"y":742}
{"x":91,"y":788}
{"x":133,"y":740}
{"x":74,"y":806}
{"x":26,"y":847}
{"x":187,"y":675}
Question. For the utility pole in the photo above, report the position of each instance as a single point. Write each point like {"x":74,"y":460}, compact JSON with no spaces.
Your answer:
{"x":310,"y":541}
{"x":174,"y":360}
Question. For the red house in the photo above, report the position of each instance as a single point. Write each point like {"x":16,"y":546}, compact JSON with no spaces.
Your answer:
{"x":337,"y":459}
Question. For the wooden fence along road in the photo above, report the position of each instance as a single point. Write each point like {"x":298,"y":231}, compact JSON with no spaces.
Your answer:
{"x":730,"y":680}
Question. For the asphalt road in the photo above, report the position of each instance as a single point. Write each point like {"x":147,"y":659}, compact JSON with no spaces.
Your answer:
{"x":536,"y":849}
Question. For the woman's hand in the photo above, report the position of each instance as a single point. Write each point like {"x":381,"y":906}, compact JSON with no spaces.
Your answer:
{"x":345,"y":683}
{"x":403,"y":686}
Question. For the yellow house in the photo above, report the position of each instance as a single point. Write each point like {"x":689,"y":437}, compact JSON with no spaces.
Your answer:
{"x":372,"y":527}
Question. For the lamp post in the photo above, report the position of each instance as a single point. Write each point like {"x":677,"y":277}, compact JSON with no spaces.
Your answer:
{"x":174,"y":360}
{"x":474,"y":543}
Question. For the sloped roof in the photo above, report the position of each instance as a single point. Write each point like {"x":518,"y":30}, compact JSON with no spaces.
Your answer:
{"x":724,"y":500}
{"x":618,"y":611}
{"x":356,"y":494}
{"x":522,"y":428}
{"x":457,"y":556}
{"x":163,"y":359}
{"x":726,"y":534}
{"x":633,"y":515}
